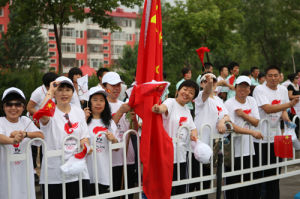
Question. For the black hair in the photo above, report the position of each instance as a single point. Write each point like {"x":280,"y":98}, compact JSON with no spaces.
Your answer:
{"x":221,"y":68}
{"x":11,"y":97}
{"x":101,"y":71}
{"x":106,"y":113}
{"x":74,"y":71}
{"x":292,"y":76}
{"x":207,"y":65}
{"x":260,"y":75}
{"x":185,"y":70}
{"x":245,"y":73}
{"x":273,"y":67}
{"x":253,"y":69}
{"x":232,"y":65}
{"x":63,"y":85}
{"x":48,"y":78}
{"x":190,"y":84}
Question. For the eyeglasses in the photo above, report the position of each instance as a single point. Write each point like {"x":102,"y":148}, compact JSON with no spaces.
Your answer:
{"x":67,"y":118}
{"x":16,"y":104}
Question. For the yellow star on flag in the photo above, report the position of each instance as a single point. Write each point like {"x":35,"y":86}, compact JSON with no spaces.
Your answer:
{"x":156,"y":69}
{"x":49,"y":105}
{"x":160,"y":37}
{"x":153,"y":19}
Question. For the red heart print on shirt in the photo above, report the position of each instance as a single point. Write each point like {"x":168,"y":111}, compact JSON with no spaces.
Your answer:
{"x":219,"y":110}
{"x":247,"y":111}
{"x":69,"y":130}
{"x":181,"y":120}
{"x":274,"y":102}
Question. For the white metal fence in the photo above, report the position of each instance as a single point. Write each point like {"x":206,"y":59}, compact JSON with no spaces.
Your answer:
{"x":283,"y":165}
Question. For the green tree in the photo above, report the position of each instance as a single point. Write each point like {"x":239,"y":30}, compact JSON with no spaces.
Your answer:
{"x":271,"y":27}
{"x":60,"y":13}
{"x":22,"y":47}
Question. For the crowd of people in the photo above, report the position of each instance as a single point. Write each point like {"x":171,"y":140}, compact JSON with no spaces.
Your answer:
{"x":210,"y":105}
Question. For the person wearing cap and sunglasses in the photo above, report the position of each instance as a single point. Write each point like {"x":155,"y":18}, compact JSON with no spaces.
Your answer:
{"x":112,"y":84}
{"x":99,"y":119}
{"x":15,"y":133}
{"x":244,"y":111}
{"x":67,"y":120}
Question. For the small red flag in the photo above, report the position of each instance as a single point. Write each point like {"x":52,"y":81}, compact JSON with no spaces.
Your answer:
{"x":283,"y":146}
{"x":47,"y":110}
{"x":231,"y":79}
{"x":201,"y":51}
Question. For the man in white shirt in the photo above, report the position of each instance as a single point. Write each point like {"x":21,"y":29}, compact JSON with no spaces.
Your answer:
{"x":244,"y":111}
{"x":234,"y":71}
{"x":272,"y":100}
{"x":222,"y":90}
{"x":100,"y":73}
{"x":208,"y":68}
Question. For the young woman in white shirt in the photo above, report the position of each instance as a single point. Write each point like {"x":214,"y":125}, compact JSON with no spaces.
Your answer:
{"x":175,"y":115}
{"x":67,"y":120}
{"x":15,"y":133}
{"x":99,"y":119}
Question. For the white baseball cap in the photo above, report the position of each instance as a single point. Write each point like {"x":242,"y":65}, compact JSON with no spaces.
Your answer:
{"x":96,"y":89}
{"x":111,"y":78}
{"x":242,"y":79}
{"x":203,"y":77}
{"x":66,"y":80}
{"x":13,"y":90}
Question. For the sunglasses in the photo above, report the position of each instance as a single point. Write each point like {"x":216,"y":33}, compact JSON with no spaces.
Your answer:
{"x":16,"y":104}
{"x":67,"y":118}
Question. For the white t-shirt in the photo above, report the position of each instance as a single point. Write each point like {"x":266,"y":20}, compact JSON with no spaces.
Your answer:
{"x":208,"y":112}
{"x":178,"y":116}
{"x":264,"y":95}
{"x":250,"y":108}
{"x":38,"y":96}
{"x":18,"y":169}
{"x":55,"y":131}
{"x":221,"y":89}
{"x":123,"y":126}
{"x":101,"y":150}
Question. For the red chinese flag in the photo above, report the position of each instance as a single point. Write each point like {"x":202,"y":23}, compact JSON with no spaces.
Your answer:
{"x":47,"y":110}
{"x":201,"y":51}
{"x":283,"y":146}
{"x":156,"y":146}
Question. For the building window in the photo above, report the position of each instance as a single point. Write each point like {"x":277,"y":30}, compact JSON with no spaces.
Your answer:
{"x":123,"y":22}
{"x":79,"y":49}
{"x":105,"y":48}
{"x":117,"y":49}
{"x":68,"y":32}
{"x":52,"y":61}
{"x":1,"y":12}
{"x":68,"y":62}
{"x":51,"y":38}
{"x":105,"y":62}
{"x":50,"y":30}
{"x":94,"y":48}
{"x":51,"y":45}
{"x":93,"y":34}
{"x":68,"y":48}
{"x":52,"y":53}
{"x":79,"y":34}
{"x":1,"y":28}
{"x":129,"y":37}
{"x":95,"y":63}
{"x":119,"y":36}
{"x":105,"y":55}
{"x":105,"y":41}
{"x":79,"y":63}
{"x":104,"y":33}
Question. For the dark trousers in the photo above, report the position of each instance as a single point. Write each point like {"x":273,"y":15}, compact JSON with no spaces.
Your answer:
{"x":196,"y":173}
{"x":182,"y":188}
{"x":132,"y":178}
{"x":34,"y":150}
{"x":272,"y":190}
{"x":242,"y":192}
{"x":72,"y":190}
{"x":101,"y":188}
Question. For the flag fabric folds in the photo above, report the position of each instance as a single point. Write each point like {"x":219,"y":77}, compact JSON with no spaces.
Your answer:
{"x":47,"y":110}
{"x":201,"y":51}
{"x":283,"y":146}
{"x":156,"y":146}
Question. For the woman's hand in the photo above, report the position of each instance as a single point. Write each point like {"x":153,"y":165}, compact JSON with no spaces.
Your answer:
{"x":221,"y":126}
{"x":194,"y":135}
{"x":111,"y":137}
{"x":257,"y":134}
{"x":87,"y":112}
{"x":156,"y":108}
